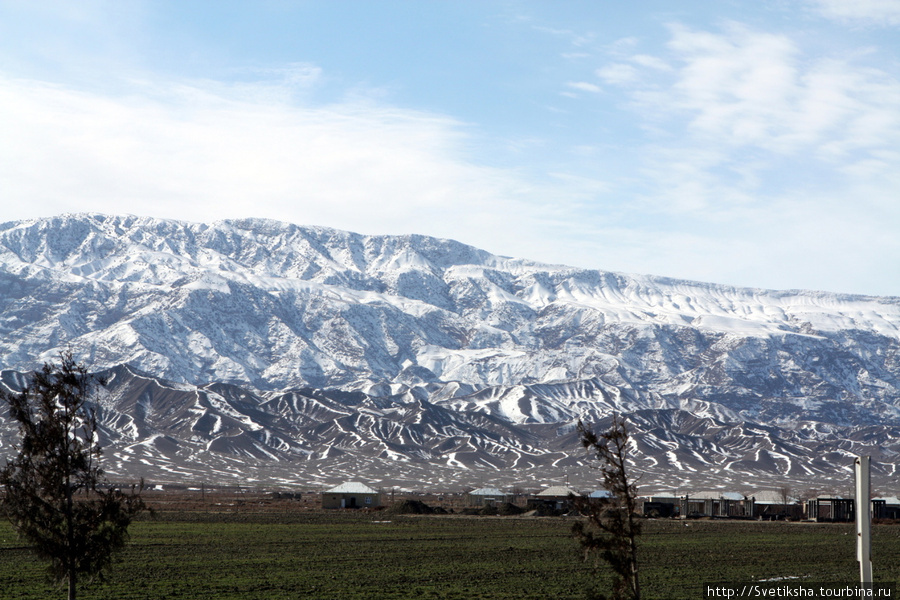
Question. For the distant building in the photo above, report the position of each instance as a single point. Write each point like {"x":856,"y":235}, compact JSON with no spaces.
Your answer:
{"x":661,"y":506}
{"x":775,"y":504}
{"x":716,"y":504}
{"x":886,"y":508}
{"x":351,"y":495}
{"x":830,"y":509}
{"x":486,"y":496}
{"x":600,"y":495}
{"x":556,"y":497}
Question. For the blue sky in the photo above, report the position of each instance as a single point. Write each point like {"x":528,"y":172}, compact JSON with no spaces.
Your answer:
{"x":745,"y":143}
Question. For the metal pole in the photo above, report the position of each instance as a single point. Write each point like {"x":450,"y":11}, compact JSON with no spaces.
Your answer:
{"x":863,"y":520}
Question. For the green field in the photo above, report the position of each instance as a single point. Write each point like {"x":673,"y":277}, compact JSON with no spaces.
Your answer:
{"x":354,"y":556}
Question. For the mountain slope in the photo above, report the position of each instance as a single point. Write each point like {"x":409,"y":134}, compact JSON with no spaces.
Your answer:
{"x":222,"y":433}
{"x":263,"y":307}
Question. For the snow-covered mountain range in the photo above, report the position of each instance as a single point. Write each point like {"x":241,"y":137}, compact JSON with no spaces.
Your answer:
{"x":267,"y":351}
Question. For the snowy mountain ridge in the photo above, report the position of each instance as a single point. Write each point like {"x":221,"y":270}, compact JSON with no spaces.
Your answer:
{"x":487,"y":306}
{"x":427,"y":327}
{"x":277,"y":257}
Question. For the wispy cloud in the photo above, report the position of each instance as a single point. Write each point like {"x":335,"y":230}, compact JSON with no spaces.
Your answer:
{"x":743,"y":93}
{"x":206,"y":150}
{"x":584,"y":86}
{"x":874,"y":12}
{"x":652,"y":62}
{"x":753,"y":88}
{"x":203,"y":148}
{"x":618,"y":74}
{"x":747,"y":142}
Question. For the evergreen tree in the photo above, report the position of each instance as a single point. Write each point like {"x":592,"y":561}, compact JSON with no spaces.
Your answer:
{"x":55,"y":494}
{"x":612,"y":526}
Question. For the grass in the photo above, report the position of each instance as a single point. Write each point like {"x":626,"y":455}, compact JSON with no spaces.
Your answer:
{"x":353,"y":556}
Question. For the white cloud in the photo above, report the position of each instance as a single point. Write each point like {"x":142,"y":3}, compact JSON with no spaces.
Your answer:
{"x":747,"y":90}
{"x":753,"y":89}
{"x":202,"y":151}
{"x":584,"y":86}
{"x":739,"y":87}
{"x":875,"y":12}
{"x":618,"y":74}
{"x":759,"y":161}
{"x":652,"y":62}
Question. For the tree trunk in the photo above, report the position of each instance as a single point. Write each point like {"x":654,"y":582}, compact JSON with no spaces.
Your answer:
{"x":70,"y":517}
{"x":635,"y":587}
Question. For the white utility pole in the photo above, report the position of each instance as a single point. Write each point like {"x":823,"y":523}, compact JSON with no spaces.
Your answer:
{"x":863,"y":520}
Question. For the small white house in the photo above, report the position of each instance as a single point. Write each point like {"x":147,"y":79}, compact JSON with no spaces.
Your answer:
{"x":351,"y":495}
{"x":556,"y":497}
{"x":486,"y":496}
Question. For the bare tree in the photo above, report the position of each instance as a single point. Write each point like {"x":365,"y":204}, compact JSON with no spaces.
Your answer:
{"x":785,"y":492}
{"x":809,"y":494}
{"x":612,"y":527}
{"x":55,"y":494}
